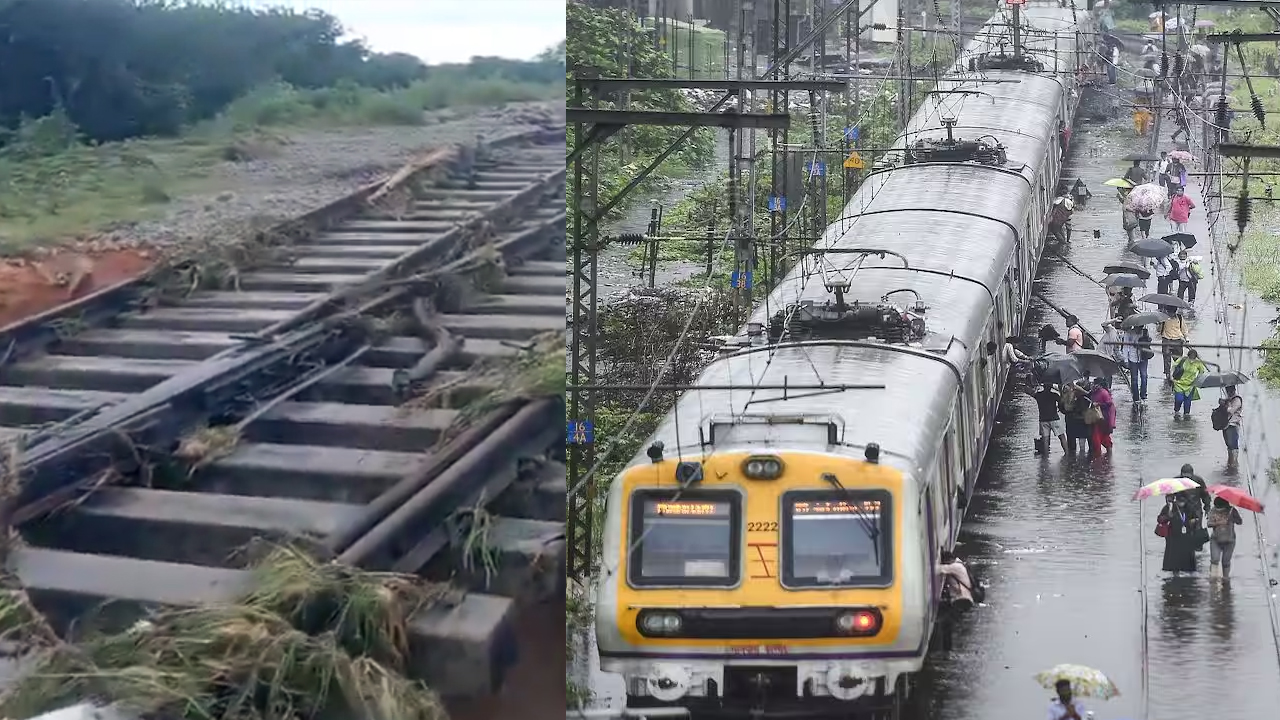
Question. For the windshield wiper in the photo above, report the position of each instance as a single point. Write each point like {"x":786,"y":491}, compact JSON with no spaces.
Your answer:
{"x":869,"y":527}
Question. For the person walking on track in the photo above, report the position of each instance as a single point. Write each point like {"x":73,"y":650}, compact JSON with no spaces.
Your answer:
{"x":1222,"y":523}
{"x":1173,"y":334}
{"x":1185,"y":372}
{"x":1227,"y":417}
{"x":1180,"y":207}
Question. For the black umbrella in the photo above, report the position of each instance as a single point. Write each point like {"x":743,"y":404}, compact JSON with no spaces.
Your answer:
{"x":1126,"y":268}
{"x":1129,"y":281}
{"x":1056,"y":368}
{"x":1222,"y":379}
{"x":1151,"y":247}
{"x":1187,"y":240}
{"x":1165,"y":300}
{"x":1095,"y":364}
{"x":1143,"y":318}
{"x":1140,"y":157}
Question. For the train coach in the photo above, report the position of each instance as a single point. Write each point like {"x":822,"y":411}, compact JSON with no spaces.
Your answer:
{"x":773,"y":550}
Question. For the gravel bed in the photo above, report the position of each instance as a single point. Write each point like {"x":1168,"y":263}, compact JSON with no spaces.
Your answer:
{"x":312,"y":169}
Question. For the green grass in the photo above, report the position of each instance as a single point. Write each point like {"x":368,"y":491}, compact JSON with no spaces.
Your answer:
{"x":54,"y":189}
{"x":46,"y":199}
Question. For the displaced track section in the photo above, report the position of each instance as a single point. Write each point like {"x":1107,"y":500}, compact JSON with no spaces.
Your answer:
{"x":328,"y":450}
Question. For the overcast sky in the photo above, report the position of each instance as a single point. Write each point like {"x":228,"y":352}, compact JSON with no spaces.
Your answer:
{"x":441,"y":31}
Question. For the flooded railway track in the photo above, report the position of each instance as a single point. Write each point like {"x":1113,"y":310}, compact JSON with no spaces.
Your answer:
{"x":333,"y":456}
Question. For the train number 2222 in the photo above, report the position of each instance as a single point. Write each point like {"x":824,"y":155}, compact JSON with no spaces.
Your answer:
{"x":762,"y":526}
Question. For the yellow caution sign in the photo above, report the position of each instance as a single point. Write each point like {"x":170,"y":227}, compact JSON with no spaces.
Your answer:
{"x":854,"y":161}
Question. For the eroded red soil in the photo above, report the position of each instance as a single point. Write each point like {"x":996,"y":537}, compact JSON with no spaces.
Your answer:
{"x":29,"y":286}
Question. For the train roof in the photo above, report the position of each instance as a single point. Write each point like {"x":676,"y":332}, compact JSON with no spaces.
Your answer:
{"x":954,"y":224}
{"x":912,"y":377}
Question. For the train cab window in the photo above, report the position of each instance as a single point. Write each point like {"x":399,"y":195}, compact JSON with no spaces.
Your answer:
{"x":692,"y":539}
{"x":840,"y":538}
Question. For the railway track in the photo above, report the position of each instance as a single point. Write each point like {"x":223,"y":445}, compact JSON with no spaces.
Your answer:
{"x":330,"y":455}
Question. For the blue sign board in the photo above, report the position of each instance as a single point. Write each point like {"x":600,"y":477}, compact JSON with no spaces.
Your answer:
{"x":852,"y":133}
{"x":581,"y":432}
{"x":815,"y":167}
{"x":777,"y":203}
{"x":740,"y":279}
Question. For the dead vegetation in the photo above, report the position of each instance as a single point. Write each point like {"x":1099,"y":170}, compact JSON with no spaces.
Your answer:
{"x":535,"y":371}
{"x":206,"y":445}
{"x":311,"y":639}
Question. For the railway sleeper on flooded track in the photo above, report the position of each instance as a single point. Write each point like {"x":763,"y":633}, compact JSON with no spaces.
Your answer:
{"x":341,"y":464}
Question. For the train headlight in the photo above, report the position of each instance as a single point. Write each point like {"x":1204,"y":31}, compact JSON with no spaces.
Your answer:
{"x":653,"y":623}
{"x":858,"y":622}
{"x":762,"y":467}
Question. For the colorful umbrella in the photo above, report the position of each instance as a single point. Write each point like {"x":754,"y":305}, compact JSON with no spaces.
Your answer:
{"x":1146,"y":198}
{"x":1085,"y":681}
{"x":1118,"y":182}
{"x":1236,"y":496}
{"x":1181,"y":156}
{"x":1165,"y":486}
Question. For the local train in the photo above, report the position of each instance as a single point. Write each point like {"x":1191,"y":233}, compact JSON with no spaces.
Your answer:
{"x":773,"y":550}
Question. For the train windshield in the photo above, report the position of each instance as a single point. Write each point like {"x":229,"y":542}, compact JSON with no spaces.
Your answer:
{"x":837,"y":538}
{"x":688,"y":540}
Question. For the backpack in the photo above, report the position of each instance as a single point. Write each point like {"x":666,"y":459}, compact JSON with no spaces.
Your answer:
{"x":1086,"y":341}
{"x":1177,"y":369}
{"x":1175,"y":268}
{"x":1220,"y":415}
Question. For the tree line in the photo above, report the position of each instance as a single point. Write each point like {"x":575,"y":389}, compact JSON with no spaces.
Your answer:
{"x":127,"y":68}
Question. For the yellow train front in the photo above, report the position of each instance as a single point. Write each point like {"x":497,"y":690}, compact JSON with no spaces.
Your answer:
{"x":744,"y":581}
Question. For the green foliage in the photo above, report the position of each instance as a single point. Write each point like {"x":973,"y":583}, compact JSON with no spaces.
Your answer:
{"x":53,"y":186}
{"x":707,"y":205}
{"x":129,"y":68}
{"x":611,"y":43}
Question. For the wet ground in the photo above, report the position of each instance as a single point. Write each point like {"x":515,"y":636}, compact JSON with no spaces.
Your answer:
{"x":618,"y":269}
{"x":1073,"y":563}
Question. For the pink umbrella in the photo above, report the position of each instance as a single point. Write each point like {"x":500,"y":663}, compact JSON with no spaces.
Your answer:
{"x":1181,"y":156}
{"x":1236,"y":496}
{"x":1165,"y":486}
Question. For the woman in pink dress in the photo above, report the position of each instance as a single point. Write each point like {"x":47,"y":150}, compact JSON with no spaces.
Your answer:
{"x":1101,"y":430}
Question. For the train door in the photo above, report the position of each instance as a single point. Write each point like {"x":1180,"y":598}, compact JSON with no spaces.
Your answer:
{"x":942,"y":492}
{"x":1013,"y":300}
{"x":963,"y":422}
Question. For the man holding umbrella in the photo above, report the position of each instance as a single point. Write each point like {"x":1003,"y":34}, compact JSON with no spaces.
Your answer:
{"x":1227,"y":417}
